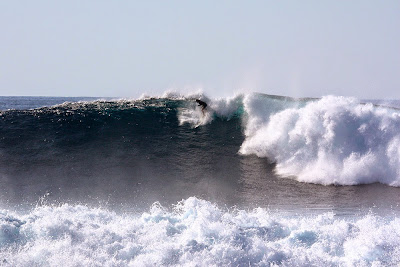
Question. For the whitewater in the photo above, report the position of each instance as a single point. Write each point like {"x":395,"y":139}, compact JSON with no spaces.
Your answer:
{"x":194,"y":233}
{"x":333,"y":140}
{"x":256,"y":180}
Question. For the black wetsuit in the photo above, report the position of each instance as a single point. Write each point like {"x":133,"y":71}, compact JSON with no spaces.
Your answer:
{"x":202,"y":104}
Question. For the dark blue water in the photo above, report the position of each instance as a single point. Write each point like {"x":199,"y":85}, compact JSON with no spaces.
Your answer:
{"x":29,"y":102}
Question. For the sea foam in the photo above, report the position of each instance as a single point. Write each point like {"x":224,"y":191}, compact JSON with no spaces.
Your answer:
{"x":222,"y":107}
{"x":333,"y":140}
{"x":194,"y":233}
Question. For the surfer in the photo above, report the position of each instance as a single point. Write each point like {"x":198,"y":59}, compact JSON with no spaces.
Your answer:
{"x":202,"y":104}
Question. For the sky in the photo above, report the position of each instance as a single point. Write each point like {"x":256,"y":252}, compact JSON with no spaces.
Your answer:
{"x":129,"y":48}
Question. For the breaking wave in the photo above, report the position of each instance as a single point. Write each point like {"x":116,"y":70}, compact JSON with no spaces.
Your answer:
{"x":332,"y":140}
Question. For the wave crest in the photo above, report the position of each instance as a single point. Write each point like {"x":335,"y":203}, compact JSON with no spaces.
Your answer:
{"x":334,"y":140}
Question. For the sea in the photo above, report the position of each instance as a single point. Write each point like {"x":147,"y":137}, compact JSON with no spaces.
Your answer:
{"x":252,"y":180}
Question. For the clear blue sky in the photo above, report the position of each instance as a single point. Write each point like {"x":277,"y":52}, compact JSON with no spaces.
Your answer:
{"x":126,"y":48}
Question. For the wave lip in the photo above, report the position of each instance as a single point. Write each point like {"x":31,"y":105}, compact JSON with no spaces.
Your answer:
{"x":196,"y":232}
{"x":334,"y":140}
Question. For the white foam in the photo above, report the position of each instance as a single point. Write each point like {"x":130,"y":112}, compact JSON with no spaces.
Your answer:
{"x":194,"y":233}
{"x":221,"y":107}
{"x":334,"y":140}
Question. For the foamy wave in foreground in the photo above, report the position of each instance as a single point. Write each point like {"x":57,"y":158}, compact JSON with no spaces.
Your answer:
{"x":334,"y":140}
{"x":195,"y":233}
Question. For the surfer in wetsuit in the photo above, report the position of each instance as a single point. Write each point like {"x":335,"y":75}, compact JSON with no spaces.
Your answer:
{"x":202,"y":104}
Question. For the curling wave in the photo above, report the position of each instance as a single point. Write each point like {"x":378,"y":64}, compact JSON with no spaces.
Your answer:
{"x":332,"y":140}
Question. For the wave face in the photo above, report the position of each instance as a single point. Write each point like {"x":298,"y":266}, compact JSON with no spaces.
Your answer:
{"x":332,"y":140}
{"x":194,"y":233}
{"x":136,"y":151}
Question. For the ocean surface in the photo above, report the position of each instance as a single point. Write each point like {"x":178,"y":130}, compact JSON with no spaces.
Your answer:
{"x":254,"y":180}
